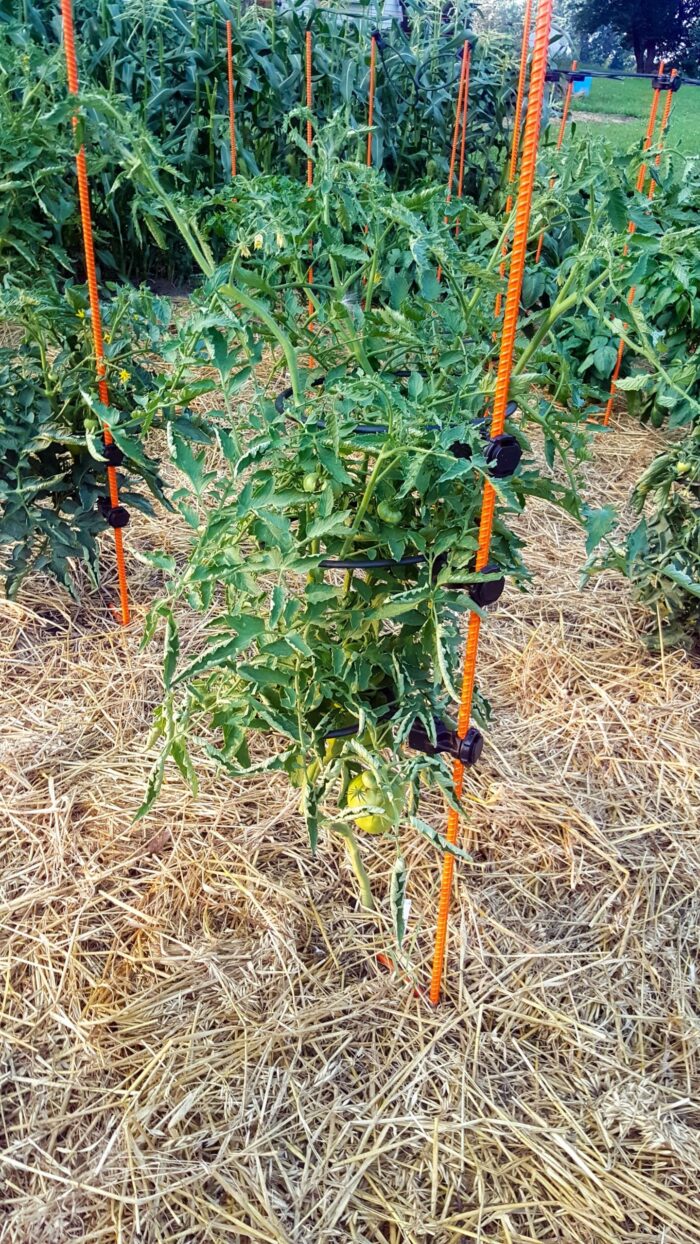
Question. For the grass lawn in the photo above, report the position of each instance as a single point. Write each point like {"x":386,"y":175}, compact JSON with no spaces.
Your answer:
{"x":631,"y":98}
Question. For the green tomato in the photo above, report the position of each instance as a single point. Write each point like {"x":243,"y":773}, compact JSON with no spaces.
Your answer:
{"x":362,"y":790}
{"x":388,"y":514}
{"x":310,"y":481}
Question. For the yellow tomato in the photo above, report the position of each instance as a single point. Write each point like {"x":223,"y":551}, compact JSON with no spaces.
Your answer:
{"x":364,"y":790}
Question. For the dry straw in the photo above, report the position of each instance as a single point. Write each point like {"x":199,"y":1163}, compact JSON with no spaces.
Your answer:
{"x":195,"y":1043}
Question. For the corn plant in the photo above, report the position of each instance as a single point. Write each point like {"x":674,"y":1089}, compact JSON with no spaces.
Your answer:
{"x":165,"y":63}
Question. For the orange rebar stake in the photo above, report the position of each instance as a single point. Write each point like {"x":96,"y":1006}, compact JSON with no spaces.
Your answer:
{"x":370,"y":111}
{"x":231,"y":109}
{"x":665,"y":118}
{"x":309,"y":161}
{"x":517,"y":122}
{"x":560,"y":139}
{"x":505,"y":364}
{"x":465,"y":114}
{"x":639,"y":186}
{"x":455,"y":134}
{"x":89,"y":251}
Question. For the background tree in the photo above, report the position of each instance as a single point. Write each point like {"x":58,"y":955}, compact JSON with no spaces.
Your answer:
{"x":649,"y":28}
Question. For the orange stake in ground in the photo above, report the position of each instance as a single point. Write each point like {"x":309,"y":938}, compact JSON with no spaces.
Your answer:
{"x":665,"y":118}
{"x":505,"y":364}
{"x":560,"y":139}
{"x":231,"y":110}
{"x":309,"y":163}
{"x":455,"y":132}
{"x":639,"y":186}
{"x":370,"y":110}
{"x":89,"y":251}
{"x":517,"y":122}
{"x":465,"y":114}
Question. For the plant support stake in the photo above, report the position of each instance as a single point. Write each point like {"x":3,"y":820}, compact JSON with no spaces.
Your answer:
{"x":560,"y":139}
{"x":515,"y":147}
{"x":455,"y":133}
{"x":370,"y":110}
{"x":96,"y":318}
{"x":465,"y":114}
{"x":639,"y":186}
{"x":231,"y":109}
{"x":309,"y":161}
{"x":503,"y":376}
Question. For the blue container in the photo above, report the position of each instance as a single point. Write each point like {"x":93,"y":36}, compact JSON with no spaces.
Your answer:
{"x":584,"y":87}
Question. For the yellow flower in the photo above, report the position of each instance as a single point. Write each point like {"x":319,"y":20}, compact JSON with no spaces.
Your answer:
{"x":80,"y":313}
{"x":279,"y":238}
{"x":377,"y":277}
{"x":124,"y":375}
{"x":108,"y":337}
{"x":258,"y":241}
{"x":245,"y":252}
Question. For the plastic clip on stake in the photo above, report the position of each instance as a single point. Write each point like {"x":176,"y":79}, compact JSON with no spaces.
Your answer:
{"x":666,"y":82}
{"x":505,"y":364}
{"x":98,"y":341}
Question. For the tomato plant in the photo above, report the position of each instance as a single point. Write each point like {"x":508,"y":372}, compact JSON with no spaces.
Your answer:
{"x":661,"y":555}
{"x":52,"y":463}
{"x":334,"y":550}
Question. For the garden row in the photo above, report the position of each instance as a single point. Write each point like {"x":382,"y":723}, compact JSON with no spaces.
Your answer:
{"x":335,"y":529}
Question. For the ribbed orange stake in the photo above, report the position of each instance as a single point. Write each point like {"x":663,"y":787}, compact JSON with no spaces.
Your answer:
{"x":231,"y":110}
{"x":309,"y":164}
{"x":639,"y":186}
{"x":560,"y":139}
{"x":89,"y":251}
{"x":455,"y":133}
{"x":665,"y":118}
{"x":370,"y":113}
{"x":517,"y":122}
{"x":465,"y":114}
{"x":505,"y":364}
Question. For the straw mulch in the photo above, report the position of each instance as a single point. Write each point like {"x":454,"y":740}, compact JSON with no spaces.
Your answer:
{"x":195,"y":1042}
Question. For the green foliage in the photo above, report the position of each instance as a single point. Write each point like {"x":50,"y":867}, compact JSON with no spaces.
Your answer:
{"x":661,"y":555}
{"x":165,"y":65}
{"x":38,"y":201}
{"x":356,"y":463}
{"x":662,"y":262}
{"x":52,"y":469}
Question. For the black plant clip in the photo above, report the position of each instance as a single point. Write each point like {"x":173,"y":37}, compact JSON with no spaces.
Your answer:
{"x":115,"y":515}
{"x":466,"y":750}
{"x":664,"y":82}
{"x":576,"y":75}
{"x":113,"y":454}
{"x":503,"y":454}
{"x":552,"y":75}
{"x":483,"y":593}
